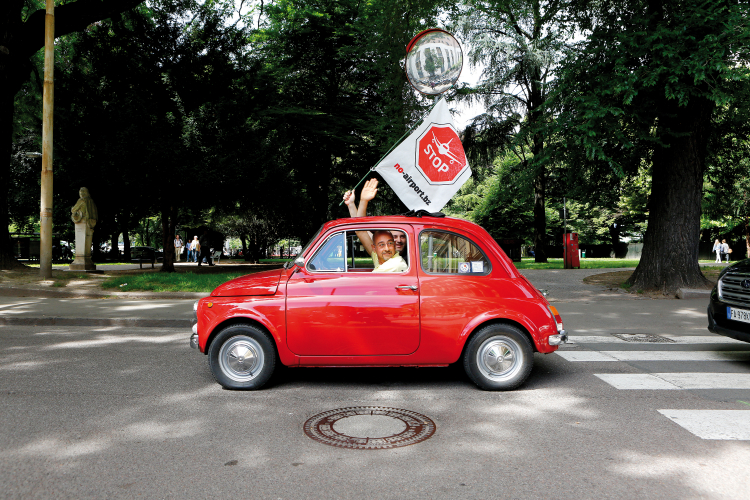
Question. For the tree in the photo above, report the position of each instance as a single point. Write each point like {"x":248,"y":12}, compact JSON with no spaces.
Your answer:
{"x":21,"y":36}
{"x":142,"y":126}
{"x":644,"y":86}
{"x":342,"y":98}
{"x":519,"y":43}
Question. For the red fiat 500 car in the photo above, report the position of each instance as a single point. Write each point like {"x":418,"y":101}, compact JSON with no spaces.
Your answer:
{"x":458,"y":297}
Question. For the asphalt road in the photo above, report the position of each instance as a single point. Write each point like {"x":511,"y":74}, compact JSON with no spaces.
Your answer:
{"x":113,"y":412}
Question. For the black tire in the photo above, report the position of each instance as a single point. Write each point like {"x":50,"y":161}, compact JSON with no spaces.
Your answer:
{"x":499,"y":357}
{"x":229,"y":354}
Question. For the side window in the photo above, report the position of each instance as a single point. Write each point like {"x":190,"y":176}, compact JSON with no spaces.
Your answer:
{"x":331,"y":256}
{"x":447,"y":253}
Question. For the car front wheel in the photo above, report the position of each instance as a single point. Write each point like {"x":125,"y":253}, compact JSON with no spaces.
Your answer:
{"x":499,"y":358}
{"x":242,"y":357}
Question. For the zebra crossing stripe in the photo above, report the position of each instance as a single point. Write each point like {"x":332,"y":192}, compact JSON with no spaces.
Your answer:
{"x":575,"y":356}
{"x":676,"y":381}
{"x":676,"y":339}
{"x":713,"y":424}
{"x":631,"y":381}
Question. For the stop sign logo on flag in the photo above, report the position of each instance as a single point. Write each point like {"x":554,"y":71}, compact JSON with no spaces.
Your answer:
{"x":440,"y":155}
{"x":429,"y":166}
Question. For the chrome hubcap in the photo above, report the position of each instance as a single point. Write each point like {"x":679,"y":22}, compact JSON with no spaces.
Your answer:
{"x":241,"y":358}
{"x":499,"y":358}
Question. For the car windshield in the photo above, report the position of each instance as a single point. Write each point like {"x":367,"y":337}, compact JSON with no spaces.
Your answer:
{"x":290,"y":262}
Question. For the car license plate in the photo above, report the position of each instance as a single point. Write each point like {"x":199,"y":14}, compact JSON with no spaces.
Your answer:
{"x":738,"y":314}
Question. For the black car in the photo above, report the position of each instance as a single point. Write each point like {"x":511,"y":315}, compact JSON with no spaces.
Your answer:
{"x":729,"y":309}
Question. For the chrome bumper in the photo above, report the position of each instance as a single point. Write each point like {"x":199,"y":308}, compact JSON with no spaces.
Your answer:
{"x":194,"y":337}
{"x":558,"y":339}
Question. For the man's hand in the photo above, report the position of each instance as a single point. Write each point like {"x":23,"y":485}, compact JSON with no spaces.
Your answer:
{"x":349,"y":197}
{"x":369,"y":190}
{"x":349,"y":200}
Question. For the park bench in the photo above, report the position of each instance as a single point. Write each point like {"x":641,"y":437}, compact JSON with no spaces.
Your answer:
{"x":216,"y":256}
{"x":141,"y":255}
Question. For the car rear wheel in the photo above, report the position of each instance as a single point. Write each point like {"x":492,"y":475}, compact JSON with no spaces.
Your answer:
{"x":499,"y":358}
{"x":242,"y":357}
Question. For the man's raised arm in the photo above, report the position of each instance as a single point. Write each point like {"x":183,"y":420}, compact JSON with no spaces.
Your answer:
{"x":369,"y":191}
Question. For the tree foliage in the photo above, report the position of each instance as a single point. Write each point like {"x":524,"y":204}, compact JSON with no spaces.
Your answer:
{"x":519,"y":44}
{"x":644,"y":86}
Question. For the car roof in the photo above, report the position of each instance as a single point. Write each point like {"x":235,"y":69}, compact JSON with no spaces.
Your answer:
{"x":403,"y":219}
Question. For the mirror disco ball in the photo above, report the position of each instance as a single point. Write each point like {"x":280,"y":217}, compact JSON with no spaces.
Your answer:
{"x":433,"y":61}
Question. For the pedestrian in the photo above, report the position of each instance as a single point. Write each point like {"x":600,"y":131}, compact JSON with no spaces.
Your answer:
{"x":205,"y":249}
{"x":177,"y":248}
{"x":195,"y":245}
{"x":725,"y":249}
{"x":718,"y":249}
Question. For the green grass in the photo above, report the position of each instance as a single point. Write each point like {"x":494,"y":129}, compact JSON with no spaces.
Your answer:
{"x":169,"y":282}
{"x":528,"y":263}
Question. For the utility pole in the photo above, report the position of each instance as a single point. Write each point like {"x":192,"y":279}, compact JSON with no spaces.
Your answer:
{"x":45,"y":245}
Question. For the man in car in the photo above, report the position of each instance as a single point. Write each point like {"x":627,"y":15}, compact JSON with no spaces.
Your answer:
{"x":369,"y":191}
{"x":384,"y":249}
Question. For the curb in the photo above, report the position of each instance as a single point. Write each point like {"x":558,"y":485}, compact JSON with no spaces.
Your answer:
{"x":692,"y":293}
{"x":91,"y":294}
{"x":131,"y":322}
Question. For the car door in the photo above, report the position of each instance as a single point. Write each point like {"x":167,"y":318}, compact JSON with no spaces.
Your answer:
{"x":335,"y":305}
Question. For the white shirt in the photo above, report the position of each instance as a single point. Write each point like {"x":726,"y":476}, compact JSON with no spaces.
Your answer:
{"x":178,"y":243}
{"x":395,"y":264}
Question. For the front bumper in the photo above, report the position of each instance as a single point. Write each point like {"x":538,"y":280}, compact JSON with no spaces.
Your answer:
{"x":194,"y":337}
{"x":715,"y":327}
{"x":558,"y":339}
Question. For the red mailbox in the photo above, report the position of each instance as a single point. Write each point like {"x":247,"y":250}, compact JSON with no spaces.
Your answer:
{"x":571,"y":251}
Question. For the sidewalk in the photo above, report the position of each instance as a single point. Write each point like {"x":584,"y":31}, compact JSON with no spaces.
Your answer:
{"x":51,"y":311}
{"x":82,"y":303}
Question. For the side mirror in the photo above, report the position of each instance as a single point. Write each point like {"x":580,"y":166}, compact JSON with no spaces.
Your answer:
{"x":299,"y":262}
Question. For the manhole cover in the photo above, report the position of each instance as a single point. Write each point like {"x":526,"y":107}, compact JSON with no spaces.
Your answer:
{"x":642,"y":337}
{"x":369,"y":427}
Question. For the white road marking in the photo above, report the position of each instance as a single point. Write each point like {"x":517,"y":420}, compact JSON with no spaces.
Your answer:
{"x":672,"y":381}
{"x":713,"y":424}
{"x":655,"y":355}
{"x":678,"y":339}
{"x":575,"y":356}
{"x":630,"y":381}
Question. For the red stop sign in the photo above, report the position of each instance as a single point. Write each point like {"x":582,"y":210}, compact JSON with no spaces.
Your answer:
{"x":440,"y":154}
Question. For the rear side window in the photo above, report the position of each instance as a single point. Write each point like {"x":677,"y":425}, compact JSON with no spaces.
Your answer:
{"x":442,"y":252}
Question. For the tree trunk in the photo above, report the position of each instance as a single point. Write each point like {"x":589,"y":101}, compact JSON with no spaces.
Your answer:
{"x":670,"y":247}
{"x":126,"y":245}
{"x":168,"y":224}
{"x":536,"y":119}
{"x":540,"y":219}
{"x":619,"y":248}
{"x":243,"y":240}
{"x":253,"y":249}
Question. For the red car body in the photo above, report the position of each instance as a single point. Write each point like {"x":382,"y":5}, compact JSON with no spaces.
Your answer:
{"x":406,"y":319}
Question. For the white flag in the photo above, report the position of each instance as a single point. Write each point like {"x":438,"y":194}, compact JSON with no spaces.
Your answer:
{"x":427,"y":169}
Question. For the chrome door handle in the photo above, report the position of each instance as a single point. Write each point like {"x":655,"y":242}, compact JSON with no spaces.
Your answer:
{"x":406,"y":287}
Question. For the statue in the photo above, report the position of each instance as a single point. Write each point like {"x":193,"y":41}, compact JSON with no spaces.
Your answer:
{"x":84,"y":216}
